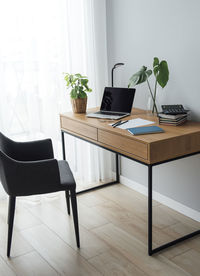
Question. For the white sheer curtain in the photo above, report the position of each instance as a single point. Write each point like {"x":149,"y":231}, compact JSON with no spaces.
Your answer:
{"x":41,"y":39}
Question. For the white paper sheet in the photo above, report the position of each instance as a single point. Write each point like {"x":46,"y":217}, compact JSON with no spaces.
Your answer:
{"x":135,"y":123}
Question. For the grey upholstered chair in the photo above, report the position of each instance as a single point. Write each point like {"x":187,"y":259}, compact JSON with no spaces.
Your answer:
{"x":29,"y":168}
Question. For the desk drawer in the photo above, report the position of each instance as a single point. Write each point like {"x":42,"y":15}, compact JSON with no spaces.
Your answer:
{"x":174,"y":147}
{"x":79,"y":128}
{"x":123,"y":143}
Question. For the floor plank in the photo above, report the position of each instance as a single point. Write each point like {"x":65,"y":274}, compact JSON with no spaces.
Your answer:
{"x":87,"y":216}
{"x":19,"y":245}
{"x":31,"y":264}
{"x":189,"y":261}
{"x":181,"y":229}
{"x":136,"y":252}
{"x":57,"y":253}
{"x":137,"y":227}
{"x":112,"y":263}
{"x":23,"y":218}
{"x":62,"y":225}
{"x":5,"y":270}
{"x":122,"y":196}
{"x":91,"y":199}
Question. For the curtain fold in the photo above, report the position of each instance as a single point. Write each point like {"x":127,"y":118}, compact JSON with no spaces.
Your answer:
{"x":39,"y":41}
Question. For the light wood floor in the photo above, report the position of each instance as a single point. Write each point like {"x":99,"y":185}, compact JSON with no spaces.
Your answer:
{"x":113,"y":231}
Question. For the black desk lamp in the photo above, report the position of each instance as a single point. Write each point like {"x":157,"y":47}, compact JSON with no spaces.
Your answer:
{"x":117,"y":159}
{"x":115,"y":66}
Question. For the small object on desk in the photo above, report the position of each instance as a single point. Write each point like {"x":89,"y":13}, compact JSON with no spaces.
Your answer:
{"x":116,"y":123}
{"x":173,"y":109}
{"x":132,"y":123}
{"x":174,"y":120}
{"x":145,"y":130}
{"x":135,"y":123}
{"x":116,"y":103}
{"x":169,"y":116}
{"x":119,"y":123}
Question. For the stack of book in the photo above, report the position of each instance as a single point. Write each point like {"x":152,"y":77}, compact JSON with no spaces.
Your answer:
{"x":175,"y":120}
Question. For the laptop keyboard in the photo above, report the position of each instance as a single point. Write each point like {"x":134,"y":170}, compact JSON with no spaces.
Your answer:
{"x":110,"y":113}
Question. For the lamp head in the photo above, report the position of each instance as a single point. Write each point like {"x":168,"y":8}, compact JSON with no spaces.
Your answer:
{"x":112,"y":71}
{"x":118,"y":64}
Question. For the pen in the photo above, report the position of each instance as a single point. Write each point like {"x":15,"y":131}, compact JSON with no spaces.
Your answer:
{"x":115,"y":124}
{"x":121,"y":123}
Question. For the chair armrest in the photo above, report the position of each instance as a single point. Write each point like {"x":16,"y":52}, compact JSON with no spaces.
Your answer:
{"x":34,"y":150}
{"x":31,"y":177}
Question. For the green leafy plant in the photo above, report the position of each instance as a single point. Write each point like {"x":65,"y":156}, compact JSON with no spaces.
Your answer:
{"x":79,"y":85}
{"x":161,"y":73}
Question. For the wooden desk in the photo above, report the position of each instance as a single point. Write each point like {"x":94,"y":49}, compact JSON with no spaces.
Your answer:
{"x":150,"y":150}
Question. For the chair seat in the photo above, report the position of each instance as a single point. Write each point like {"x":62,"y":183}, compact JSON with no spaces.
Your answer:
{"x":66,"y":176}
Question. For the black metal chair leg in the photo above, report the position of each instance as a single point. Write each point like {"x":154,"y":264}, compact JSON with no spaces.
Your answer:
{"x":11,"y":213}
{"x":75,"y":215}
{"x":67,"y":201}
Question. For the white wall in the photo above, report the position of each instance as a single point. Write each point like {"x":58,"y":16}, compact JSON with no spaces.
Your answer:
{"x":136,"y":32}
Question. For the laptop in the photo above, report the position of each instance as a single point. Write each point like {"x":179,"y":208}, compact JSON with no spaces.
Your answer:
{"x":116,"y":103}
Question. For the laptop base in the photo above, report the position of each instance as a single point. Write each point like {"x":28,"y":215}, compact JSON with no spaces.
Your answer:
{"x":100,"y":115}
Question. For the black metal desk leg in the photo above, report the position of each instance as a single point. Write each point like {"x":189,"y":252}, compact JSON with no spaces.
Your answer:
{"x":117,"y":167}
{"x":152,"y":250}
{"x":63,"y":144}
{"x":150,"y":210}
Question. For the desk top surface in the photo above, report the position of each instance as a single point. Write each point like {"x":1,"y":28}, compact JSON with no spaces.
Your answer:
{"x":176,"y":141}
{"x":188,"y":128}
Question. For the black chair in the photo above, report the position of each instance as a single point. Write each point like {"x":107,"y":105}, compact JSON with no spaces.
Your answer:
{"x":29,"y":168}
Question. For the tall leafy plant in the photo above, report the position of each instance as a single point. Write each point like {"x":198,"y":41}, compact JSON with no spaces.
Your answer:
{"x":79,"y":85}
{"x":161,"y":73}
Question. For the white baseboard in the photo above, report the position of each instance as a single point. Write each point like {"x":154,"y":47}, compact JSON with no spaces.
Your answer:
{"x":189,"y":212}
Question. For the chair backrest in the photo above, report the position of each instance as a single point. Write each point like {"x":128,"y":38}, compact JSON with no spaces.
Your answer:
{"x":6,"y":154}
{"x":6,"y":146}
{"x":13,"y":156}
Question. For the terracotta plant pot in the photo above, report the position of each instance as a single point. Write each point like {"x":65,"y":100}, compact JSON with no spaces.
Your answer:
{"x":79,"y":105}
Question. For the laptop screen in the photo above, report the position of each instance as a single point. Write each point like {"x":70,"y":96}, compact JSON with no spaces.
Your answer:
{"x":117,"y":99}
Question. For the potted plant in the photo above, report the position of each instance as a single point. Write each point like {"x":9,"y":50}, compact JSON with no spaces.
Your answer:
{"x":79,"y":85}
{"x":161,"y":73}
